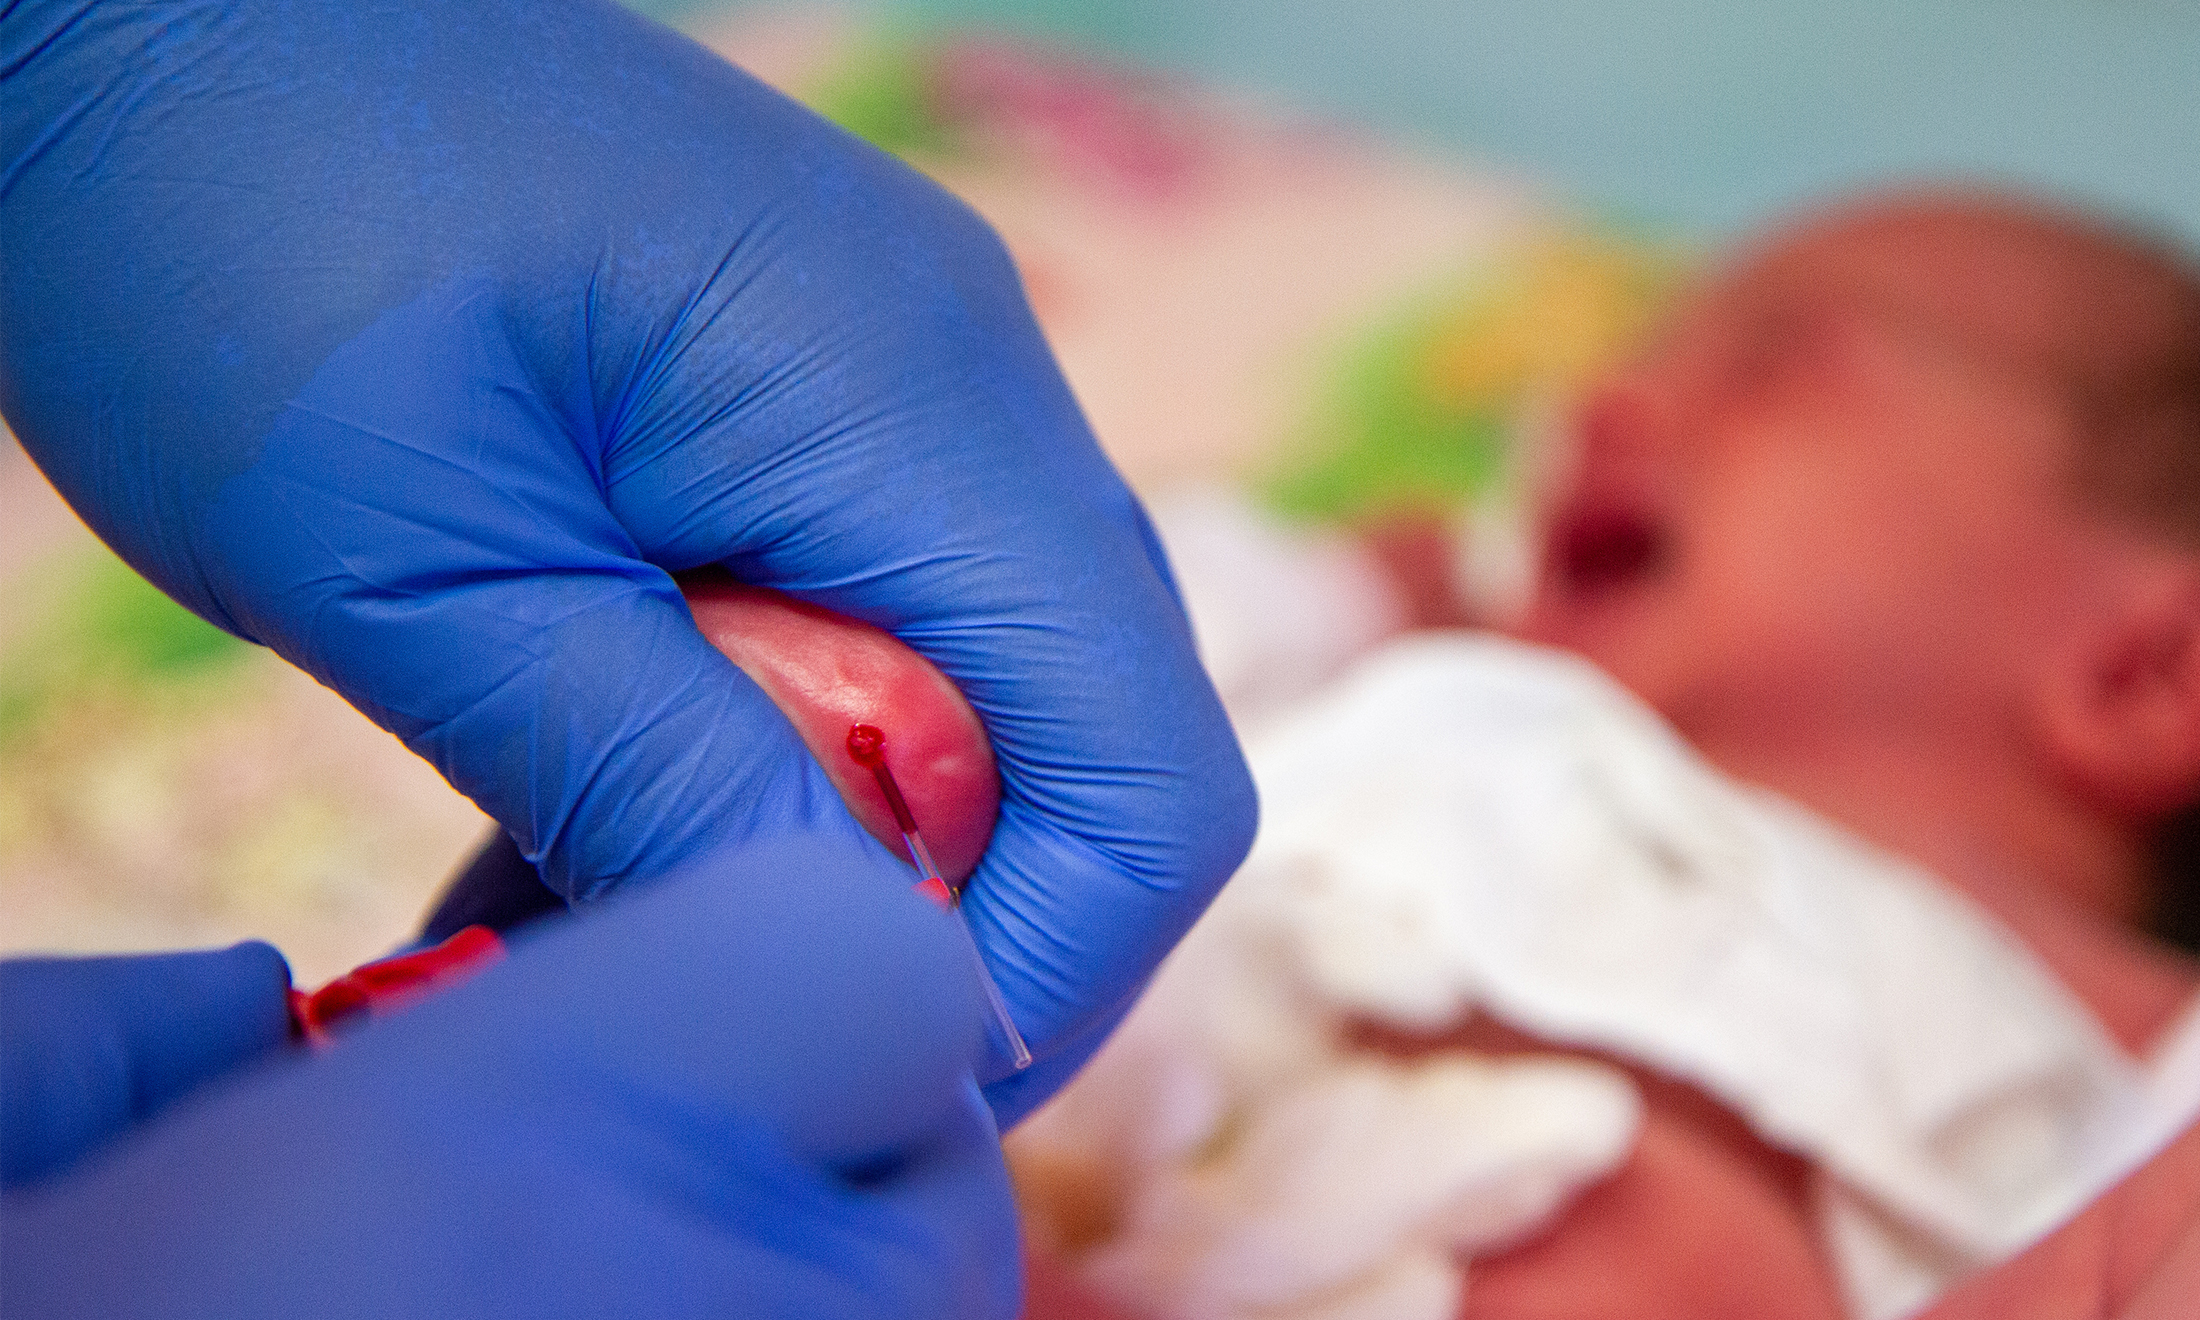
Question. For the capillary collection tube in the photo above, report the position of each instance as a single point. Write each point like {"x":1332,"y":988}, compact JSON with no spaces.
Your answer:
{"x":867,"y":747}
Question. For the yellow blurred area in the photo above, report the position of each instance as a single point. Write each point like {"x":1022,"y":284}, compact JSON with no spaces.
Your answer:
{"x":1547,"y":318}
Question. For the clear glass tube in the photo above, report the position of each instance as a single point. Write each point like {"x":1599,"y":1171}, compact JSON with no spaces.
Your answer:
{"x":935,"y":885}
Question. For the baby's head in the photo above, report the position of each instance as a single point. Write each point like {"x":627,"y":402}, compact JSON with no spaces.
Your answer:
{"x":1911,"y":491}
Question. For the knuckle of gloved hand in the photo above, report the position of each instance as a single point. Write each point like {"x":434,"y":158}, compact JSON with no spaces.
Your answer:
{"x":964,"y":252}
{"x":1207,"y":826}
{"x":1234,"y":813}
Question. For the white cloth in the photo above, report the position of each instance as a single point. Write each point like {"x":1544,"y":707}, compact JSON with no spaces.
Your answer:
{"x":1466,"y":823}
{"x":1278,"y":609}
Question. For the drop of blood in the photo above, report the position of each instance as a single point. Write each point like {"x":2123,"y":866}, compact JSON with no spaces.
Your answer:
{"x":867,"y":745}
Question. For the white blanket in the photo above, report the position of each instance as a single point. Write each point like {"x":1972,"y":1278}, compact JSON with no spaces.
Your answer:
{"x":1466,"y":824}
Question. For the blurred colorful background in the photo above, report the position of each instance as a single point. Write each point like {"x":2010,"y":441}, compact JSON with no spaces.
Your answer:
{"x":1344,"y":260}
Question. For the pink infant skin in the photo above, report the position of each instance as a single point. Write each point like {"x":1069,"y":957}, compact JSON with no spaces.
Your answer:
{"x":828,"y":673}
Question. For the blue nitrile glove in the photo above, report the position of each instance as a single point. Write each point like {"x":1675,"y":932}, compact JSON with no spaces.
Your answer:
{"x":90,"y":1047}
{"x":418,"y":340}
{"x":683,"y":1103}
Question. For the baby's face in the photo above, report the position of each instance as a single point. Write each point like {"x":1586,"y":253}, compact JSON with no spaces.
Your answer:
{"x":1827,"y":500}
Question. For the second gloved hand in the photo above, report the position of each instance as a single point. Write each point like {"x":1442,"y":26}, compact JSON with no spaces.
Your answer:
{"x":419,"y":341}
{"x":693,"y":1102}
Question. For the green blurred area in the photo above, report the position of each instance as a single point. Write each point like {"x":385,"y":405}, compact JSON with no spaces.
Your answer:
{"x":1386,"y":442}
{"x":1422,"y":411}
{"x":883,"y":92}
{"x":99,"y":632}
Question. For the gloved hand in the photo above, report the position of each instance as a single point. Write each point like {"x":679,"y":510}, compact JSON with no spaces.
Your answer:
{"x":680,"y":1104}
{"x":418,"y":341}
{"x":91,"y":1047}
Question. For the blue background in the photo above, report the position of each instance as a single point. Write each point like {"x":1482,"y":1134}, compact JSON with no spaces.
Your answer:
{"x":1706,"y":115}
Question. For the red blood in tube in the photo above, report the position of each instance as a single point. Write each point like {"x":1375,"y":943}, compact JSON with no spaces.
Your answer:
{"x":867,"y":745}
{"x":378,"y":987}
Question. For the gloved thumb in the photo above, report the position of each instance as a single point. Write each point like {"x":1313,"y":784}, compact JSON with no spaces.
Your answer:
{"x":90,"y":1047}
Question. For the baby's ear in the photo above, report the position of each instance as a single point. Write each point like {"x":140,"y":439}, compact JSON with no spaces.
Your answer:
{"x":2123,"y":709}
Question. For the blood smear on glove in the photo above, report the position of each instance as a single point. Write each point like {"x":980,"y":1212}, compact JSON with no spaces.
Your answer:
{"x":867,"y":747}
